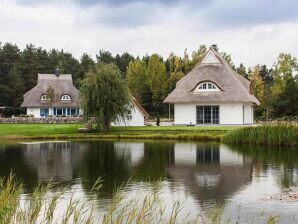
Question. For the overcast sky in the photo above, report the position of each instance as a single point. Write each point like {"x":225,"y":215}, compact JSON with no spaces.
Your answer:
{"x":252,"y":31}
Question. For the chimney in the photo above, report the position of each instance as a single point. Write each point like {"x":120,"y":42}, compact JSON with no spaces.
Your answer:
{"x":57,"y":72}
{"x":215,"y":47}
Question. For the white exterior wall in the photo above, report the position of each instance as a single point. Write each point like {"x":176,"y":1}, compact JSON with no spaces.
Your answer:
{"x":185,"y":114}
{"x":248,"y":114}
{"x":137,"y":119}
{"x":34,"y":111}
{"x":229,"y":113}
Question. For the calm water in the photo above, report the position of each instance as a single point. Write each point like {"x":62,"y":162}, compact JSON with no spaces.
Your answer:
{"x":243,"y":179}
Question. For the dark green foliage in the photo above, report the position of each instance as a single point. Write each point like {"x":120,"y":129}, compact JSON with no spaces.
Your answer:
{"x":287,"y":102}
{"x":9,"y":57}
{"x":122,"y":62}
{"x":266,"y":74}
{"x":105,"y":57}
{"x":86,"y":64}
{"x":242,"y":71}
{"x":104,"y":95}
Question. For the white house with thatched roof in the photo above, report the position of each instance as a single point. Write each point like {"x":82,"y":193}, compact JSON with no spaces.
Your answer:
{"x":53,"y":95}
{"x":212,"y":93}
{"x":137,"y":115}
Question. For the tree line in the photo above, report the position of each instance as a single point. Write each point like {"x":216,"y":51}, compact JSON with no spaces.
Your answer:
{"x":150,"y":78}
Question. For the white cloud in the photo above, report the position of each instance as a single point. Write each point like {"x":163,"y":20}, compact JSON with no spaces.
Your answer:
{"x":171,"y":29}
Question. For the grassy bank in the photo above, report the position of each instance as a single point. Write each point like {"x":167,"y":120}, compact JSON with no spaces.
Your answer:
{"x":275,"y":135}
{"x":280,"y":134}
{"x":70,"y":131}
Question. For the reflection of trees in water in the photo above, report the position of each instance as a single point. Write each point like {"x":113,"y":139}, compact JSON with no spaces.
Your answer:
{"x":103,"y":159}
{"x":12,"y":161}
{"x":157,"y":156}
{"x":210,"y":170}
{"x":263,"y":158}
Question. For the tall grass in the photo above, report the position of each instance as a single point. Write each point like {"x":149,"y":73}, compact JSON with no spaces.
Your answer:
{"x":279,"y":134}
{"x":42,"y":206}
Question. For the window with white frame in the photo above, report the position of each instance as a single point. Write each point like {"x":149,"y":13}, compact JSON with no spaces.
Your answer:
{"x":65,"y":98}
{"x":206,"y":87}
{"x":45,"y":97}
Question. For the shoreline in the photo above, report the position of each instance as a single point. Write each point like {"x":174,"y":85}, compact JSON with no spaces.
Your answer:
{"x":266,"y":135}
{"x":21,"y":132}
{"x":113,"y":137}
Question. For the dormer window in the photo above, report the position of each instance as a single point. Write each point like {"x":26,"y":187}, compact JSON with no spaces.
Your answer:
{"x":65,"y":98}
{"x":45,"y":97}
{"x":206,"y":87}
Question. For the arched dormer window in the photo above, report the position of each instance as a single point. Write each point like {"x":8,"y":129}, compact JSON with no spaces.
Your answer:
{"x":65,"y":98}
{"x":45,"y":97}
{"x":206,"y":87}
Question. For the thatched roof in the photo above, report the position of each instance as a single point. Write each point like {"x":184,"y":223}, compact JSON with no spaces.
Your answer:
{"x":233,"y":87}
{"x":139,"y":106}
{"x":61,"y":84}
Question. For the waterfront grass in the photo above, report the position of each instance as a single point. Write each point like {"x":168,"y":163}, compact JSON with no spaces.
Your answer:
{"x":70,"y":131}
{"x":46,"y":205}
{"x":280,"y":134}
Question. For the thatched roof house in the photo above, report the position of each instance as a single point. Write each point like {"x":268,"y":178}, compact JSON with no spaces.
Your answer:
{"x":212,"y":93}
{"x":54,"y":94}
{"x":62,"y":85}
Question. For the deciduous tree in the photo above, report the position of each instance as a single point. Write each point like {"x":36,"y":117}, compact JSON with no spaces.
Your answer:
{"x":136,"y":78}
{"x":283,"y":71}
{"x":157,"y":80}
{"x":257,"y":86}
{"x":105,"y":96}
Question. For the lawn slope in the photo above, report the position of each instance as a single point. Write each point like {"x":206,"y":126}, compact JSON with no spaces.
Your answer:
{"x":70,"y":131}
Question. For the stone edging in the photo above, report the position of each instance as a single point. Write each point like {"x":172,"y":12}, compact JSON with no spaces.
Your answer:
{"x":47,"y":120}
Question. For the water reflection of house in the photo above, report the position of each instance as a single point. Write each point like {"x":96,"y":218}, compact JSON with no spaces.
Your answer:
{"x":132,"y":152}
{"x":210,"y":171}
{"x":53,"y":159}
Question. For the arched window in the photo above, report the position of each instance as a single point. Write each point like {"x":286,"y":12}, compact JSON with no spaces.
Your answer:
{"x":45,"y":97}
{"x":206,"y":87}
{"x":65,"y":98}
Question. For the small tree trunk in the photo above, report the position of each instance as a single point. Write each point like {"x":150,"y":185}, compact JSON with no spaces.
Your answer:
{"x":106,"y":126}
{"x":157,"y":120}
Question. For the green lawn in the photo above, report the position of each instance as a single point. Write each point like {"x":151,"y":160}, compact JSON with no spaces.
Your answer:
{"x":62,"y":131}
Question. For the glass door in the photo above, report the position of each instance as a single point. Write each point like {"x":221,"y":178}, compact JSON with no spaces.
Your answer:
{"x":207,"y":114}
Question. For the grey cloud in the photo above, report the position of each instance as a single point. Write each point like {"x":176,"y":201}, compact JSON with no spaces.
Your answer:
{"x":247,"y":12}
{"x":225,"y":13}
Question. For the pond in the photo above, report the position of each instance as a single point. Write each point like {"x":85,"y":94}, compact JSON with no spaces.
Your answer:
{"x":249,"y":183}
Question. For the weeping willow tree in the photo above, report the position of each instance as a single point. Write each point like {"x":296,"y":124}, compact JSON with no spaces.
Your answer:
{"x":105,"y":96}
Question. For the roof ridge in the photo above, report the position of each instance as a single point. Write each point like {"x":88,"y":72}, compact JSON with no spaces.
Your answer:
{"x":139,"y":106}
{"x":226,"y":64}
